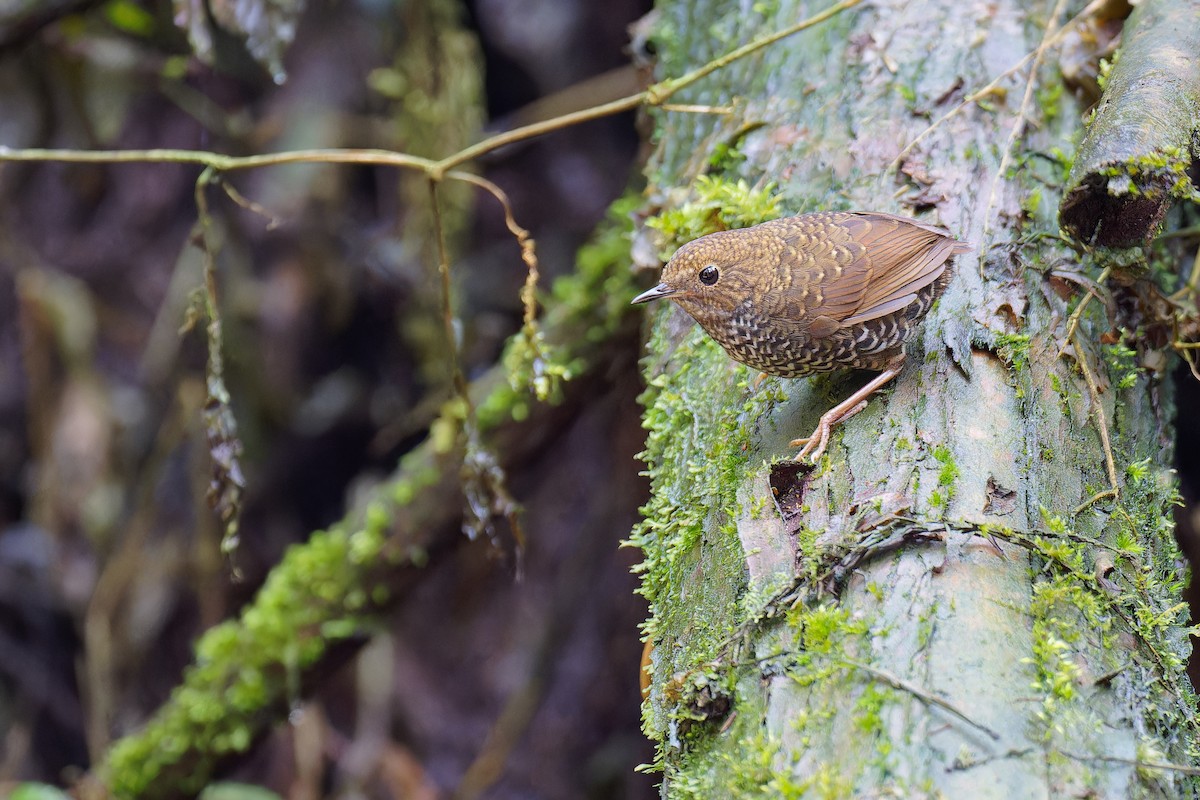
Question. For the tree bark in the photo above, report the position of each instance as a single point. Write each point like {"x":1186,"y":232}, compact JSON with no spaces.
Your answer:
{"x":1134,"y":159}
{"x":967,"y":597}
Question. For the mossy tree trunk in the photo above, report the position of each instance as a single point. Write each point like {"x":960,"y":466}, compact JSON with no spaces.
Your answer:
{"x":953,"y":601}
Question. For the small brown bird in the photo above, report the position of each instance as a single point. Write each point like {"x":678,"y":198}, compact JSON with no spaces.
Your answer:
{"x":814,"y":293}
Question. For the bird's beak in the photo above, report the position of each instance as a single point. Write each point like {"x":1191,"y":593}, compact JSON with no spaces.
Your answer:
{"x":662,"y":290}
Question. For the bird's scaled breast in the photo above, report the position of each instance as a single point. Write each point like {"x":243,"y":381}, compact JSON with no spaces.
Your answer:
{"x":751,"y":338}
{"x":787,"y":351}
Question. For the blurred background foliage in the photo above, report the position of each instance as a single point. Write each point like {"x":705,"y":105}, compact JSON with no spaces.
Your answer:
{"x":336,"y":363}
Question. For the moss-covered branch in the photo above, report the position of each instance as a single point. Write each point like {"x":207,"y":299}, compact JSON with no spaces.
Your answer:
{"x":1135,"y":156}
{"x":328,"y":594}
{"x":993,"y":532}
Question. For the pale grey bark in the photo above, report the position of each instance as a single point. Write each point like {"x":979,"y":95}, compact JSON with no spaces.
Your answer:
{"x":855,"y":683}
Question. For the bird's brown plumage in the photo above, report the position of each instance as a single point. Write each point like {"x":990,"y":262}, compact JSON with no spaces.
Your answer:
{"x":813,"y":293}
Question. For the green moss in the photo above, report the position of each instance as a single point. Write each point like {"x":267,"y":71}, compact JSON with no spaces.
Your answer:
{"x":743,"y":771}
{"x":37,"y":791}
{"x":810,"y":553}
{"x":759,"y":506}
{"x":321,"y":593}
{"x":1060,"y":389}
{"x":717,"y":204}
{"x":727,"y":156}
{"x":1013,"y":349}
{"x":693,"y":498}
{"x":1151,"y":171}
{"x":591,"y":303}
{"x":1121,"y":360}
{"x":826,"y":636}
{"x":1057,"y":606}
{"x":1050,"y":99}
{"x":696,"y":406}
{"x":700,"y":415}
{"x":1111,"y":607}
{"x":824,"y":630}
{"x":1105,"y":71}
{"x":744,"y":763}
{"x":926,"y":624}
{"x":947,"y":478}
{"x":1079,"y":610}
{"x":309,"y":601}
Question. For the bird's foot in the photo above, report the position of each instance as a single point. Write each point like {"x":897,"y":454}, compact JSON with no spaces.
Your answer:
{"x":762,"y":376}
{"x":814,"y":446}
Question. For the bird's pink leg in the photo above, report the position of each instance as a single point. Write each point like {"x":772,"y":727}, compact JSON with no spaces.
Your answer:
{"x":843,"y":411}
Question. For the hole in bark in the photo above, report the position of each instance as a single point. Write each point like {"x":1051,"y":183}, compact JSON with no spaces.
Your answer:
{"x":788,"y":482}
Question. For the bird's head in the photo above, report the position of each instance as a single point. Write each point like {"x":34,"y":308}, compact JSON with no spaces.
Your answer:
{"x":714,"y":273}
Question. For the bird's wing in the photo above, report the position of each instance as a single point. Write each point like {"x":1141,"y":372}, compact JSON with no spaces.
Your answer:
{"x":828,"y":257}
{"x":827,"y":274}
{"x":905,"y":257}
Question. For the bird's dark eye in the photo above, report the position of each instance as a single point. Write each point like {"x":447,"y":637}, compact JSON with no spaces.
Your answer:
{"x":709,"y":275}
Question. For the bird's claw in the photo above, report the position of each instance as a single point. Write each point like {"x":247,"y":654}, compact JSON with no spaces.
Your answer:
{"x":814,"y":445}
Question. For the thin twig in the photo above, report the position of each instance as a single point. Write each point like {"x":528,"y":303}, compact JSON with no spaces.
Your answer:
{"x":220,"y":424}
{"x":524,"y":240}
{"x":656,"y":95}
{"x":896,"y":682}
{"x":1134,"y":762}
{"x":1193,"y":281}
{"x":992,"y":85}
{"x":1073,"y":320}
{"x":961,"y":765}
{"x":1185,"y":351}
{"x":686,"y":108}
{"x":1110,"y":463}
{"x":747,"y":49}
{"x":437,"y":170}
{"x":1019,"y":124}
{"x":220,"y":161}
{"x":231,"y":191}
{"x":1096,"y":498}
{"x":443,"y":257}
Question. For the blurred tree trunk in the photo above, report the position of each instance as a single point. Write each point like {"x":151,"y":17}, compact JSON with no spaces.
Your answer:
{"x":952,"y":603}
